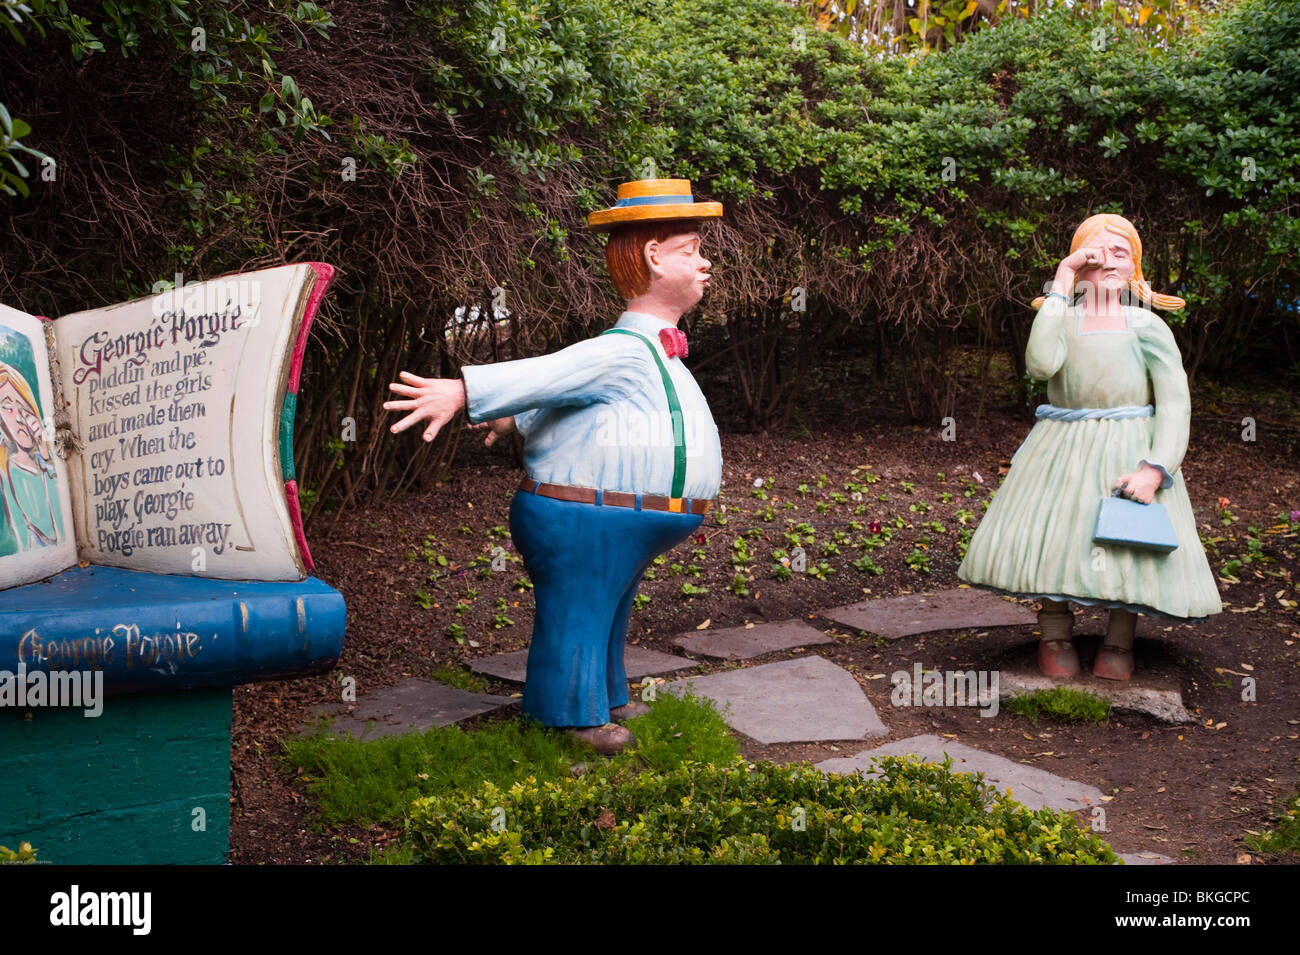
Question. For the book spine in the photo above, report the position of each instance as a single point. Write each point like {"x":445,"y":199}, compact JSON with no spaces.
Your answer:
{"x":177,"y":645}
{"x":324,"y":275}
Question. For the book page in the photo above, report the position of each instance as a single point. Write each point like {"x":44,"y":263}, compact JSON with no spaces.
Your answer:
{"x":175,"y":400}
{"x":36,"y":537}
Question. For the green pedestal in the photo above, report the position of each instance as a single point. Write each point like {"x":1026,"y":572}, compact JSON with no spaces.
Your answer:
{"x":147,"y":781}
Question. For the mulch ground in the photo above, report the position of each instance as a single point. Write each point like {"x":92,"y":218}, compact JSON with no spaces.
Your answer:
{"x":414,"y":569}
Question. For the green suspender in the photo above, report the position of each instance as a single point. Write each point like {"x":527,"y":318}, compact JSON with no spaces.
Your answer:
{"x":675,"y":409}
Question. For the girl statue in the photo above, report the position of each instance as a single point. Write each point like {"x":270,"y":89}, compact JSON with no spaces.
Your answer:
{"x":1118,"y":419}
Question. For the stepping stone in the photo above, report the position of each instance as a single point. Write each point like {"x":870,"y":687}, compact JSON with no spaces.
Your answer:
{"x":793,"y":701}
{"x":1144,"y":858}
{"x":1162,"y":700}
{"x":414,"y":705}
{"x":744,"y":643}
{"x":1032,"y":787}
{"x":638,"y":661}
{"x":957,"y":609}
{"x":1155,"y":688}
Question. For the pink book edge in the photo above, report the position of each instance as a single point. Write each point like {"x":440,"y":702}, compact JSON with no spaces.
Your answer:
{"x":324,"y":275}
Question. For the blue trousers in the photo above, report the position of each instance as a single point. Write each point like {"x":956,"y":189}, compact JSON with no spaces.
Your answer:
{"x":585,"y":561}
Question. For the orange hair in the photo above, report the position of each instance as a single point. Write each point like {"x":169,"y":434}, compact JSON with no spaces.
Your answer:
{"x":625,"y":254}
{"x":1109,"y":222}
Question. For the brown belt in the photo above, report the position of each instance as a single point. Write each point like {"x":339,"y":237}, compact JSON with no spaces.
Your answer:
{"x":589,"y":495}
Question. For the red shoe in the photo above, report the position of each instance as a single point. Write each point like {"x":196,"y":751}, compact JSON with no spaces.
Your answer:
{"x":1113,"y":663}
{"x":1058,"y":659}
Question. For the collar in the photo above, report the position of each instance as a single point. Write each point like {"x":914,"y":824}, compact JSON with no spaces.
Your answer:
{"x":641,"y":322}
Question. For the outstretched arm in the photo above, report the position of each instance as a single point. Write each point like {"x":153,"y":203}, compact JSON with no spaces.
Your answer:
{"x":600,"y":369}
{"x":437,"y":399}
{"x":605,"y":368}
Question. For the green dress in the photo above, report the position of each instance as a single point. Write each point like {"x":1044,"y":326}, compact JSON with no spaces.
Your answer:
{"x":1036,"y":538}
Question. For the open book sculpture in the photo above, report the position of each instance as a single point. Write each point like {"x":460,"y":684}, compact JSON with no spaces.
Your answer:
{"x":149,"y":518}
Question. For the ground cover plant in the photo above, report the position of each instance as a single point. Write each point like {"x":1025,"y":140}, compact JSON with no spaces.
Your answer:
{"x":506,"y":792}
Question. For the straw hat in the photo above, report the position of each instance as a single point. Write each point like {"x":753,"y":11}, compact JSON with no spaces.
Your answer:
{"x":650,"y":200}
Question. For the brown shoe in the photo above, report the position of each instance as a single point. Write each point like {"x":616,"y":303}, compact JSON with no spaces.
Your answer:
{"x":628,"y":710}
{"x":608,"y":740}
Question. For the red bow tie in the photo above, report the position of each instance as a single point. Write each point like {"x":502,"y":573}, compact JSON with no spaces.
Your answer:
{"x":674,"y":342}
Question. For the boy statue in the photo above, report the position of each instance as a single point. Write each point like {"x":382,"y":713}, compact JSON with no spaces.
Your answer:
{"x":621,"y":453}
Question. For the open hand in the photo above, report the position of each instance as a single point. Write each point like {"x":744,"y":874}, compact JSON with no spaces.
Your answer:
{"x":437,"y":399}
{"x":1141,"y":484}
{"x":497,"y":428}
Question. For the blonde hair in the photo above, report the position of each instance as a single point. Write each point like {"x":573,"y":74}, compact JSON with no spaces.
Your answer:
{"x":1110,"y":222}
{"x":11,"y":375}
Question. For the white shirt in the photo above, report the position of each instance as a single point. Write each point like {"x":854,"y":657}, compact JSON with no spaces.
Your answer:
{"x":596,"y":415}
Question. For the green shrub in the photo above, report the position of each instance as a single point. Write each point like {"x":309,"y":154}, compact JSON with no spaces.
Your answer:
{"x":676,"y":731}
{"x":25,"y":855}
{"x":376,"y":780}
{"x":1286,"y":837}
{"x":749,"y":813}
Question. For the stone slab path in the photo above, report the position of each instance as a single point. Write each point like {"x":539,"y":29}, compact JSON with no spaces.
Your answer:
{"x":414,"y":705}
{"x":809,"y":698}
{"x":956,"y":609}
{"x":639,"y":662}
{"x":794,"y":701}
{"x":745,"y":643}
{"x":1032,"y":787}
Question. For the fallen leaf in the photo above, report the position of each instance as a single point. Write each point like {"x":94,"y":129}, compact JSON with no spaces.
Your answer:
{"x":1161,"y":789}
{"x":1027,"y":736}
{"x":1243,"y":858}
{"x":705,"y":625}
